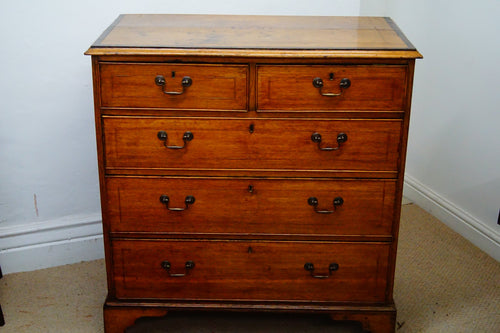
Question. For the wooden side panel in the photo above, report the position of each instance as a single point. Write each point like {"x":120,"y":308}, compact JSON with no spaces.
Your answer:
{"x":271,"y":144}
{"x":214,"y":87}
{"x":289,"y":87}
{"x":241,"y":270}
{"x":250,"y":206}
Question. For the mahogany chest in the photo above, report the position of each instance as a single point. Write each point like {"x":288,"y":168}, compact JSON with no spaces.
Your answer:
{"x":251,"y":163}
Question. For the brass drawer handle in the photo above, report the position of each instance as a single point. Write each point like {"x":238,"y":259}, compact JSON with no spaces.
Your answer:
{"x":186,"y":137}
{"x":313,"y":201}
{"x":344,"y":84}
{"x":185,"y":83}
{"x":341,"y":138}
{"x":310,"y":267}
{"x":164,"y":199}
{"x":188,"y":266}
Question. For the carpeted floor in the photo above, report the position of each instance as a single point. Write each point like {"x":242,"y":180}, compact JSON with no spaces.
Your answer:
{"x":443,"y":284}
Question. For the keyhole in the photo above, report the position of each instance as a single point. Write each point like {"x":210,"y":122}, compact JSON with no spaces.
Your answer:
{"x":173,"y":73}
{"x":250,"y":250}
{"x":251,"y":128}
{"x":331,"y":76}
{"x":250,"y":188}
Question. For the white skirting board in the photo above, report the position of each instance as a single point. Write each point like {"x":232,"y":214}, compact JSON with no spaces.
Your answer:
{"x":471,"y":228}
{"x":38,"y":245}
{"x":74,"y":239}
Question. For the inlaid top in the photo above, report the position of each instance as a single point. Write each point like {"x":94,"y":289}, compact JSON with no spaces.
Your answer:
{"x":152,"y":33}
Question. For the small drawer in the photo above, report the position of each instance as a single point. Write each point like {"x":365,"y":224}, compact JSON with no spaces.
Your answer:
{"x":329,"y":88}
{"x":208,"y":206}
{"x":174,"y":86}
{"x":246,"y":271}
{"x":251,"y":144}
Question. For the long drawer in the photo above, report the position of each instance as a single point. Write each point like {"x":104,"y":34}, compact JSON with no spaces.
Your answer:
{"x":251,"y":144}
{"x":250,"y":206}
{"x":174,"y":86}
{"x":328,"y":88}
{"x":243,"y":270}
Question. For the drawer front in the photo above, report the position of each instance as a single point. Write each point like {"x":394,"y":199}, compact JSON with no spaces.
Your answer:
{"x":370,"y":88}
{"x":244,"y":270}
{"x":251,"y":144}
{"x":212,"y":87}
{"x":251,"y":206}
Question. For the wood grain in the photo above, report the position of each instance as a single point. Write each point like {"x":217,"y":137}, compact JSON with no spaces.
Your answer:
{"x":254,"y":32}
{"x":214,"y":86}
{"x":290,"y":88}
{"x":132,"y":142}
{"x":252,"y":109}
{"x":118,"y":318}
{"x":331,"y":55}
{"x":246,"y":270}
{"x":250,"y":206}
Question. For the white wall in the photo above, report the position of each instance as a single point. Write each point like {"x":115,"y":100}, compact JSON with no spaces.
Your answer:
{"x":453,"y":163}
{"x":47,"y":144}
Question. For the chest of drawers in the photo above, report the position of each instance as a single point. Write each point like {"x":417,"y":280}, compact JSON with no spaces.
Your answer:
{"x":251,"y":163}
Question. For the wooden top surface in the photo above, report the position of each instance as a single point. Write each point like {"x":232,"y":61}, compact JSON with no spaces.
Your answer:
{"x":252,"y":35}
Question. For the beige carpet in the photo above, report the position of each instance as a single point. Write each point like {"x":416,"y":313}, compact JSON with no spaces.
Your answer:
{"x":443,"y":284}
